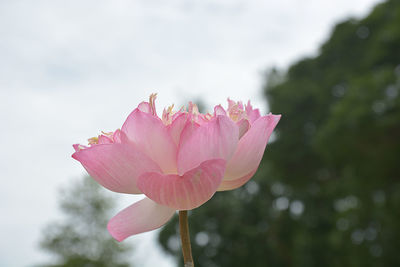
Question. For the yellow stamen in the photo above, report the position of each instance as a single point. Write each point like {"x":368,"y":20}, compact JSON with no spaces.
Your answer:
{"x":208,"y":116}
{"x":152,"y":104}
{"x":170,"y":109}
{"x":93,"y":140}
{"x":107,"y":133}
{"x":167,"y":115}
{"x":193,"y":109}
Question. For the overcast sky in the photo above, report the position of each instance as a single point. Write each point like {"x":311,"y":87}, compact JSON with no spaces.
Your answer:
{"x":69,"y":69}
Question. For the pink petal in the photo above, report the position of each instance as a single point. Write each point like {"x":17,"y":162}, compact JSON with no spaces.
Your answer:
{"x":142,"y":216}
{"x":251,"y":148}
{"x":176,"y":127}
{"x":188,"y":130}
{"x":184,"y":192}
{"x":150,"y":135}
{"x":219,"y":110}
{"x":233,"y":184}
{"x":178,"y":113}
{"x":231,"y":103}
{"x":78,"y":147}
{"x":202,"y":118}
{"x":116,"y":166}
{"x":117,"y":136}
{"x":252,"y":114}
{"x":216,"y":139}
{"x":244,"y":126}
{"x":144,"y":107}
{"x":104,"y":140}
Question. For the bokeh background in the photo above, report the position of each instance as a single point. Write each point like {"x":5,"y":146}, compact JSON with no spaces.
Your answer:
{"x":327,"y":192}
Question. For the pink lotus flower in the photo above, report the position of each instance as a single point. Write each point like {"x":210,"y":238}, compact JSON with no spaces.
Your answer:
{"x":178,"y":161}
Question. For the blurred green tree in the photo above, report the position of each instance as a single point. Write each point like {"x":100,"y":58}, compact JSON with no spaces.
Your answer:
{"x":81,"y":239}
{"x":328,"y":190}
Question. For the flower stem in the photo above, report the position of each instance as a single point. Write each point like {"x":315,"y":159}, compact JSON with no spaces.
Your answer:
{"x":185,"y":239}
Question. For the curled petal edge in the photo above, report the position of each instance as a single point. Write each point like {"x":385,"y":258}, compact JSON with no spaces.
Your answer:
{"x":185,"y":192}
{"x":142,"y":216}
{"x":233,"y":184}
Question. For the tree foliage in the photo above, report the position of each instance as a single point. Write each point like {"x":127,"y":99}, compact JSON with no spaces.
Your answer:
{"x":81,"y":238}
{"x":328,"y":190}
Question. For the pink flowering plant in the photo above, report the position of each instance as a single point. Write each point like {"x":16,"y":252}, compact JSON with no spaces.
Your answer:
{"x":178,"y":161}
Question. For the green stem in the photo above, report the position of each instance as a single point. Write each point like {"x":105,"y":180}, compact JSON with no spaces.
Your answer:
{"x":185,"y":239}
